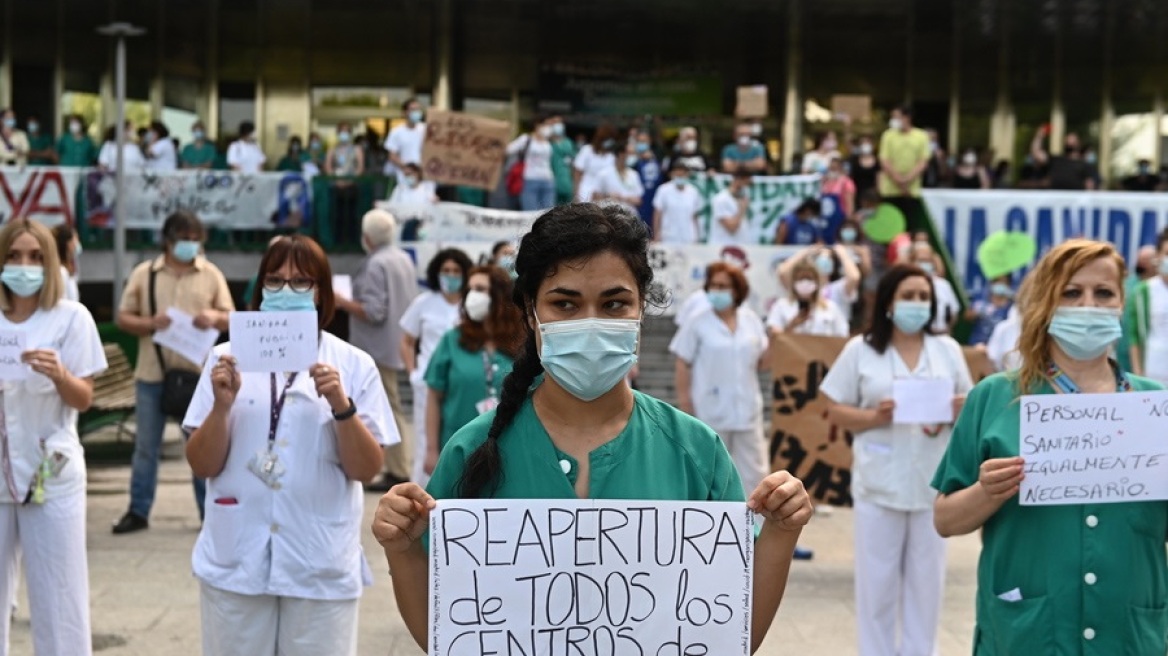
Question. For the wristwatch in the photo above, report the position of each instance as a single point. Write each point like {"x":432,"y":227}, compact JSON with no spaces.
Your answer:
{"x":348,"y":413}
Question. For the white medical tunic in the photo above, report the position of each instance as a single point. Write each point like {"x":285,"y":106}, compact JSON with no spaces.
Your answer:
{"x":724,"y":381}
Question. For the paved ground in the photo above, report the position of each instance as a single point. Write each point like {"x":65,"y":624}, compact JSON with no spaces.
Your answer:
{"x":145,"y":601}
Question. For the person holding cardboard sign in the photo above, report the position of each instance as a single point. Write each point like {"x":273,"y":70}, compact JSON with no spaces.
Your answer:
{"x":900,"y":559}
{"x":42,"y":499}
{"x":569,"y":426}
{"x":279,"y":557}
{"x":1068,"y":579}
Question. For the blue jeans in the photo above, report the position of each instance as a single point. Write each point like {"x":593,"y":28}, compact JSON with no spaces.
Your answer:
{"x":148,"y":451}
{"x":537,"y":195}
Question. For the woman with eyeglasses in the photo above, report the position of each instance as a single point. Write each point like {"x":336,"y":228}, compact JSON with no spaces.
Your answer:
{"x":279,"y":557}
{"x":42,"y":498}
{"x":466,"y":371}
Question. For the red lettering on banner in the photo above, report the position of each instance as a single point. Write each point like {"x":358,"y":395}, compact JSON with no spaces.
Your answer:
{"x":32,"y":200}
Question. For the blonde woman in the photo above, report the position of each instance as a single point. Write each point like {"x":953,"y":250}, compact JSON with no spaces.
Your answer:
{"x":1068,"y":579}
{"x":42,"y":500}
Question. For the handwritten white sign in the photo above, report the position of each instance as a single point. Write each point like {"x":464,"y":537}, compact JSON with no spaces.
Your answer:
{"x":343,"y":286}
{"x":922,"y":400}
{"x":274,"y":341}
{"x":1094,"y":448}
{"x":590,"y":577}
{"x":182,"y":337}
{"x":13,"y":343}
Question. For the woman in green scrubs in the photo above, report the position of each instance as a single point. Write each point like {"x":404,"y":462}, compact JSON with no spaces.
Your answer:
{"x":569,"y":426}
{"x":466,"y":371}
{"x":1073,"y":579}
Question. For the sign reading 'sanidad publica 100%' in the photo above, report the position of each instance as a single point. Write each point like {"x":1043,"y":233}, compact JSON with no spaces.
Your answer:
{"x":590,"y":578}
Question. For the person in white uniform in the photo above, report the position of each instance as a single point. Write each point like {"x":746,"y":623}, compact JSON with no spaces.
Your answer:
{"x":68,"y":251}
{"x":900,"y":558}
{"x":161,"y":155}
{"x":839,"y":277}
{"x":948,"y":307}
{"x":1147,"y":319}
{"x":404,"y":143}
{"x":807,"y":312}
{"x":731,"y":213}
{"x":621,"y":184}
{"x":279,"y":558}
{"x":719,"y":353}
{"x":593,"y":160}
{"x":430,"y":316}
{"x":42,"y":499}
{"x":675,"y":208}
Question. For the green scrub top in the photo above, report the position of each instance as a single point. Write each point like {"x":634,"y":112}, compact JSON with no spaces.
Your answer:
{"x":1093,"y":577}
{"x":662,"y":454}
{"x":563,"y":152}
{"x":193,"y":155}
{"x":461,"y":376}
{"x":37,"y":143}
{"x":76,"y":152}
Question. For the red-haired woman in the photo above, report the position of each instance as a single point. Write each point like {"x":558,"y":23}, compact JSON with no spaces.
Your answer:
{"x":719,"y":354}
{"x":466,"y":371}
{"x":279,"y":558}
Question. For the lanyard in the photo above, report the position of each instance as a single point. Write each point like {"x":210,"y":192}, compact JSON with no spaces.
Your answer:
{"x":277,"y":407}
{"x":1063,"y":383}
{"x":489,"y":371}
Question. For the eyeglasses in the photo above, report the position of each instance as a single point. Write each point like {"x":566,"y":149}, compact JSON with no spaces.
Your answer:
{"x":276,"y":283}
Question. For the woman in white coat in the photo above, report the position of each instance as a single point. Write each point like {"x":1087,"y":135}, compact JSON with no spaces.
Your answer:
{"x":719,"y":353}
{"x":279,"y":558}
{"x":900,"y":559}
{"x":42,"y":499}
{"x":430,"y":316}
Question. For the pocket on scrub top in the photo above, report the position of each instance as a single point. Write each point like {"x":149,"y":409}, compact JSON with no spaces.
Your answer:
{"x":1148,"y":631}
{"x":1020,"y":627}
{"x":342,"y":552}
{"x":223,"y":526}
{"x":874,"y":466}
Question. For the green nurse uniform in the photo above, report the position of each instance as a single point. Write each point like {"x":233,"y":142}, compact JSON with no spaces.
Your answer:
{"x":662,"y":454}
{"x":1092,"y":578}
{"x":461,"y":376}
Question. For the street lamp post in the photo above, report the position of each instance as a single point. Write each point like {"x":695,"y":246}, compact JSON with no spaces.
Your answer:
{"x":120,"y":31}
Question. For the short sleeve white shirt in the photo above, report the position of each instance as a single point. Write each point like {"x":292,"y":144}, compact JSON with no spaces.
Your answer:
{"x":893,"y":465}
{"x":405,"y":142}
{"x":163,"y":157}
{"x":696,"y":302}
{"x":626,"y":185}
{"x":427,"y":319}
{"x":1002,"y":346}
{"x":421,"y":196}
{"x":246,"y":156}
{"x":725,"y":206}
{"x":947,"y":304}
{"x":72,"y":293}
{"x":724,"y":376}
{"x":826,"y":320}
{"x":303,"y":540}
{"x":34,"y":410}
{"x":678,"y":207}
{"x":591,"y":166}
{"x":132,"y":158}
{"x":837,"y":292}
{"x":1156,"y":344}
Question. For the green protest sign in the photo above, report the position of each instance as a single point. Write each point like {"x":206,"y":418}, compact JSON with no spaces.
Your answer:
{"x":885,"y":224}
{"x":1005,"y":252}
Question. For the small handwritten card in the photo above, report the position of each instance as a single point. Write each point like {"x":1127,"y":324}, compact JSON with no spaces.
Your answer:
{"x":619,"y":577}
{"x":343,"y":287}
{"x":1093,"y":448}
{"x":12,"y":344}
{"x":274,"y":341}
{"x":182,"y":337}
{"x":922,"y":400}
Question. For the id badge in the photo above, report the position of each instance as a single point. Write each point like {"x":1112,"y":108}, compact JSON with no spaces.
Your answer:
{"x":266,"y":466}
{"x":55,"y":463}
{"x":486,"y":405}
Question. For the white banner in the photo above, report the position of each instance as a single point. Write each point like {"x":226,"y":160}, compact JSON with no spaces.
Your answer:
{"x":43,"y":193}
{"x":590,"y":578}
{"x":680,"y":270}
{"x":965,"y":218}
{"x":224,"y":199}
{"x":771,"y":197}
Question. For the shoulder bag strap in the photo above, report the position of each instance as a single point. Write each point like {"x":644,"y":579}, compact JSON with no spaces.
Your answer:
{"x":153,"y":312}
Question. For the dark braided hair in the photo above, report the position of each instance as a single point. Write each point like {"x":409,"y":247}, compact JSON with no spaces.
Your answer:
{"x":566,"y":233}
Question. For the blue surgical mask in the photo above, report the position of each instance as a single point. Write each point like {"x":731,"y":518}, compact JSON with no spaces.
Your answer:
{"x":288,"y":300}
{"x":34,"y":127}
{"x":589,"y":357}
{"x":198,"y":135}
{"x":641,"y":147}
{"x":416,"y":116}
{"x":10,"y":123}
{"x":186,"y":251}
{"x":631,"y":160}
{"x":720,"y":299}
{"x":1001,"y":289}
{"x":23,"y":280}
{"x":1164,"y":265}
{"x":848,"y":235}
{"x":927,"y":267}
{"x":506,"y":262}
{"x":824,"y":264}
{"x":77,"y":250}
{"x":450,"y":284}
{"x":411,"y":181}
{"x":344,"y":137}
{"x":1085,"y":333}
{"x":558,"y":129}
{"x":910,"y":317}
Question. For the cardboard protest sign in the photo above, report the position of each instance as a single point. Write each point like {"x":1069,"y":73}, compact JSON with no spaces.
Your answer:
{"x":592,"y":578}
{"x":803,"y":441}
{"x":463,"y":149}
{"x":857,"y":107}
{"x":752,"y":102}
{"x":274,"y":341}
{"x":1093,"y":448}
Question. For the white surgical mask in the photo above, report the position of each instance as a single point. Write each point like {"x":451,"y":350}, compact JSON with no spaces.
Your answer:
{"x":865,"y":149}
{"x":969,"y":159}
{"x":478,"y":305}
{"x":805,"y":288}
{"x":545,"y":131}
{"x":689,"y":146}
{"x":744,"y":141}
{"x":895,"y":123}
